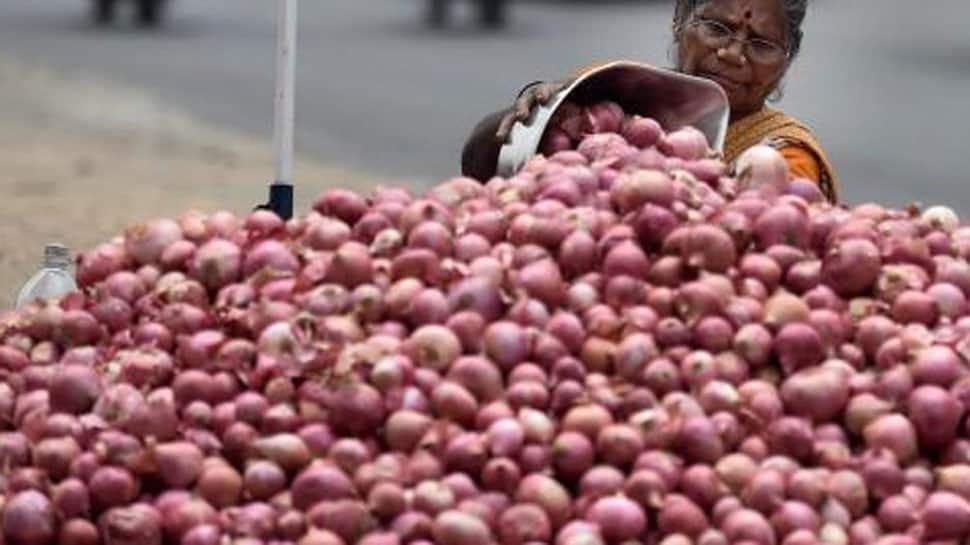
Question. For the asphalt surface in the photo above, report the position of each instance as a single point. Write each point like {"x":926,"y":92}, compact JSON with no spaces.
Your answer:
{"x":885,"y":83}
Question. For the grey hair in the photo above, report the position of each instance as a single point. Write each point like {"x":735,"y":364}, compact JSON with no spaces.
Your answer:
{"x":794,"y":11}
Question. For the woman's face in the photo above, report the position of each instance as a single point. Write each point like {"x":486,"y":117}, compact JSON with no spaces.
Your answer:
{"x":747,"y":81}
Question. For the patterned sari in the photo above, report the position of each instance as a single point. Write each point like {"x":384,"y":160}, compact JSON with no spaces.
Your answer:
{"x":782,"y":132}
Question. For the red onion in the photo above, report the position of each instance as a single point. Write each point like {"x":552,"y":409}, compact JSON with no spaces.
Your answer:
{"x":320,"y":482}
{"x":681,"y":516}
{"x":762,"y":167}
{"x":705,"y":247}
{"x":699,"y":441}
{"x":686,"y":143}
{"x":818,"y":393}
{"x":113,"y":486}
{"x":207,"y":534}
{"x":897,"y":513}
{"x":632,"y":190}
{"x":793,"y":516}
{"x":798,"y":346}
{"x":937,"y":365}
{"x":452,"y":401}
{"x":341,"y":203}
{"x":765,"y":491}
{"x":523,"y":523}
{"x":618,"y":518}
{"x":54,"y":455}
{"x":457,"y":528}
{"x":74,"y":389}
{"x":782,"y":224}
{"x":895,"y":384}
{"x":269,"y":254}
{"x":131,"y":525}
{"x":78,"y":531}
{"x":145,"y":242}
{"x":646,"y":487}
{"x":745,"y":524}
{"x":263,"y":479}
{"x":935,"y":415}
{"x":220,"y":485}
{"x":893,"y":432}
{"x":432,"y":497}
{"x":851,"y":267}
{"x":29,"y":518}
{"x":547,"y":494}
{"x":71,"y":498}
{"x":945,"y":515}
{"x":791,"y":436}
{"x":702,"y":485}
{"x":285,"y":449}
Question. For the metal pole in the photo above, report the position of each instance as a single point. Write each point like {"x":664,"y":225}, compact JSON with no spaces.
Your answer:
{"x":281,"y":191}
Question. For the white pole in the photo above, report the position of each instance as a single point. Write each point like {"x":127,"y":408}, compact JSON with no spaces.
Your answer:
{"x":285,"y":76}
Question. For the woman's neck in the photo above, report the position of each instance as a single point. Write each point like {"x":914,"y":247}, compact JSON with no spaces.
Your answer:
{"x":736,"y":115}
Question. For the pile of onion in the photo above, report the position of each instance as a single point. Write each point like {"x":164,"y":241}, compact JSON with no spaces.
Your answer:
{"x":620,"y":344}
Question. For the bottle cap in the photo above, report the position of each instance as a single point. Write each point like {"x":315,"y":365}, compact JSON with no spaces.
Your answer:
{"x":57,"y":256}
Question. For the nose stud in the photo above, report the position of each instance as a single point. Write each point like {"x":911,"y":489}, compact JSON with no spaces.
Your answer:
{"x":722,"y":53}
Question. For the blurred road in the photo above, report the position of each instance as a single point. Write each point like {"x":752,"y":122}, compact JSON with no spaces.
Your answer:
{"x":885,"y":83}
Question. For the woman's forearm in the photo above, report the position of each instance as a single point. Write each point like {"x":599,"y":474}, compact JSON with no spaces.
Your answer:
{"x":479,"y":157}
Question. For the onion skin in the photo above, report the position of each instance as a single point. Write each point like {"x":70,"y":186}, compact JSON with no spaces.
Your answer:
{"x":745,"y":524}
{"x":29,"y":518}
{"x":798,"y":346}
{"x":317,"y":483}
{"x":78,"y":532}
{"x":523,"y":523}
{"x":456,"y":528}
{"x":895,"y":433}
{"x":945,"y":516}
{"x":618,"y":518}
{"x":851,"y":267}
{"x":817,"y":393}
{"x":935,"y":415}
{"x":113,"y":486}
{"x":762,"y":167}
{"x":180,"y":463}
{"x":131,"y":525}
{"x":679,"y":515}
{"x":548,"y":494}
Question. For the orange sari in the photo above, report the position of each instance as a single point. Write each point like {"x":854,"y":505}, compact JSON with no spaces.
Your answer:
{"x":795,"y":141}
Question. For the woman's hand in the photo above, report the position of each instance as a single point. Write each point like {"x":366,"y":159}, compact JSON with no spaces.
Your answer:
{"x":532,"y":97}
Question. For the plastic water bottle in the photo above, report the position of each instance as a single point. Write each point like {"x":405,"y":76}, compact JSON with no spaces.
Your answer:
{"x":53,"y":281}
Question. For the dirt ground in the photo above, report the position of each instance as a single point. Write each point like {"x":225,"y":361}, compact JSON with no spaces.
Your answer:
{"x":81,"y":160}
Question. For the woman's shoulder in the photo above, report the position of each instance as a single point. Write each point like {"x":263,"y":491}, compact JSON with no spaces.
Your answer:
{"x":768,"y":126}
{"x":790,"y":130}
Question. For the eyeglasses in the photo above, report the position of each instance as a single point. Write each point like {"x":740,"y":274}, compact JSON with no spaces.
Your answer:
{"x":718,"y":35}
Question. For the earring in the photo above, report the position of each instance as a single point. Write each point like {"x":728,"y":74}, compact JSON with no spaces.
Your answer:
{"x":777,"y":94}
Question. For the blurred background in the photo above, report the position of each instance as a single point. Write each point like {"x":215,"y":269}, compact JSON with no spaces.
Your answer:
{"x":151,"y":113}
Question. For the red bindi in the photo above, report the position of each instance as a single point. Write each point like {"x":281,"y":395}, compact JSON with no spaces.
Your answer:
{"x":748,"y":14}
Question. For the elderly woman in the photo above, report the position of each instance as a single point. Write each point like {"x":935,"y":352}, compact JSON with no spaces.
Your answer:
{"x":746,"y":46}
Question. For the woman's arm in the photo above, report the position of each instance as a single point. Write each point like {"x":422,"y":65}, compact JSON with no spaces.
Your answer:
{"x":479,"y":157}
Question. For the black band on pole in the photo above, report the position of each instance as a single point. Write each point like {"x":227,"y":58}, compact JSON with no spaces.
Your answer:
{"x":281,"y":199}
